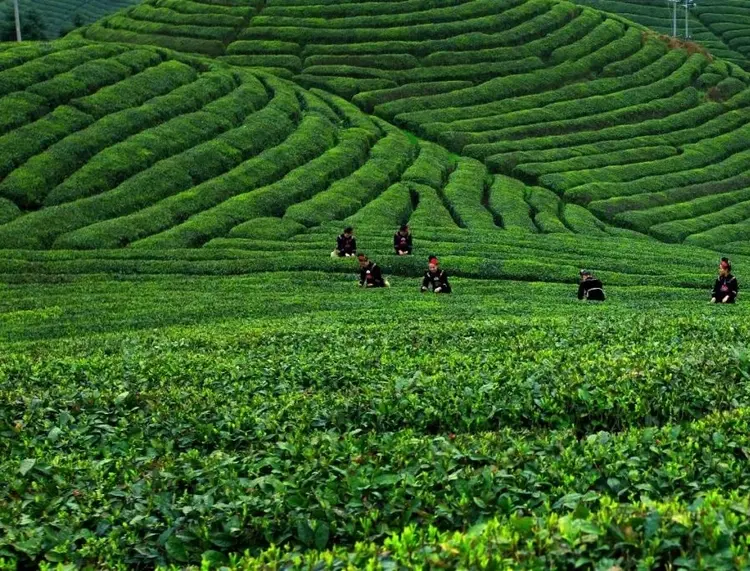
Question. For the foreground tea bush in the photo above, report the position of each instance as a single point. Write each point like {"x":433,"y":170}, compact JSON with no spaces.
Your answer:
{"x":169,"y":421}
{"x":710,"y":533}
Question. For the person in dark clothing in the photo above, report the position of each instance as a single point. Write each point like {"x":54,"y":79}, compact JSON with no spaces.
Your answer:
{"x":402,"y":241}
{"x":369,"y":273}
{"x":346,"y":244}
{"x":435,"y":278}
{"x":591,"y":287}
{"x":726,"y":287}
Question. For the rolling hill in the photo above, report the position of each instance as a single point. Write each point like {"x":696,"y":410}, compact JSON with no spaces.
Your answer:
{"x":601,"y":124}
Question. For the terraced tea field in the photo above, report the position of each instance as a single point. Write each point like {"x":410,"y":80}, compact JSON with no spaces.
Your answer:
{"x":189,"y":379}
{"x":591,"y":123}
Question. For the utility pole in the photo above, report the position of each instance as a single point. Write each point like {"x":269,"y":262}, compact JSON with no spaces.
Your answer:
{"x":18,"y":20}
{"x":688,"y":4}
{"x":673,"y":4}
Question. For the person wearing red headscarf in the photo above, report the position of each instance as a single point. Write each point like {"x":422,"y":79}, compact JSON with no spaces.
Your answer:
{"x":435,"y":278}
{"x":726,"y":287}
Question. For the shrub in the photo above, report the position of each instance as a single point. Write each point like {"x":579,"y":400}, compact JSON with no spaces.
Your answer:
{"x":581,"y":221}
{"x":503,"y":16}
{"x":608,"y":31}
{"x":388,"y":159}
{"x":200,"y":32}
{"x":584,"y":106}
{"x":349,"y":114}
{"x":390,"y":62}
{"x":546,"y":208}
{"x":107,"y":169}
{"x":23,"y":143}
{"x":731,"y":166}
{"x":388,"y":21}
{"x":586,"y":162}
{"x":507,"y":200}
{"x":432,"y":166}
{"x":8,"y":211}
{"x":430,"y":213}
{"x":679,"y":230}
{"x":46,"y":67}
{"x":261,"y":47}
{"x":137,"y":89}
{"x":388,"y":210}
{"x":610,"y":208}
{"x":170,"y":200}
{"x":190,"y":7}
{"x":266,"y":229}
{"x":19,"y":108}
{"x":657,"y":108}
{"x":523,"y":84}
{"x":146,"y":13}
{"x":16,"y":55}
{"x":649,"y":75}
{"x":290,"y":62}
{"x":80,"y":81}
{"x":467,"y":193}
{"x":343,"y":86}
{"x":524,"y":31}
{"x":368,"y":100}
{"x":181,"y":44}
{"x":642,"y":220}
{"x":300,"y":184}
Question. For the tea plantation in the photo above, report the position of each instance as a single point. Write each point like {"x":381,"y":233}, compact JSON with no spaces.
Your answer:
{"x":189,"y":379}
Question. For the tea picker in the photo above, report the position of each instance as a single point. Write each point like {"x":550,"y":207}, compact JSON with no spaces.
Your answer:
{"x":591,"y":287}
{"x":435,"y":278}
{"x":346,"y":244}
{"x":402,"y":241}
{"x":369,"y":273}
{"x":726,"y":287}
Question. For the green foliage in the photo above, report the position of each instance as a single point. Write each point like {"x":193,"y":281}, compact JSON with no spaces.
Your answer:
{"x":179,"y":199}
{"x":466,"y":194}
{"x":368,"y":100}
{"x":390,"y":209}
{"x":265,"y":229}
{"x":273,"y":200}
{"x":507,"y":200}
{"x":271,"y":391}
{"x":432,"y":166}
{"x":431,"y":212}
{"x":387,"y":160}
{"x":546,"y":208}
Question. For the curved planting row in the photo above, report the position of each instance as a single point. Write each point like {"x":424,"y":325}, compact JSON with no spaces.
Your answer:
{"x":583,"y":108}
{"x":183,"y":25}
{"x":557,"y":96}
{"x":705,"y":31}
{"x":728,"y":19}
{"x":106,"y":146}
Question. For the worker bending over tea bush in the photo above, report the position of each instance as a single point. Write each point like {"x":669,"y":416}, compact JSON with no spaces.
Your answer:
{"x":435,"y":278}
